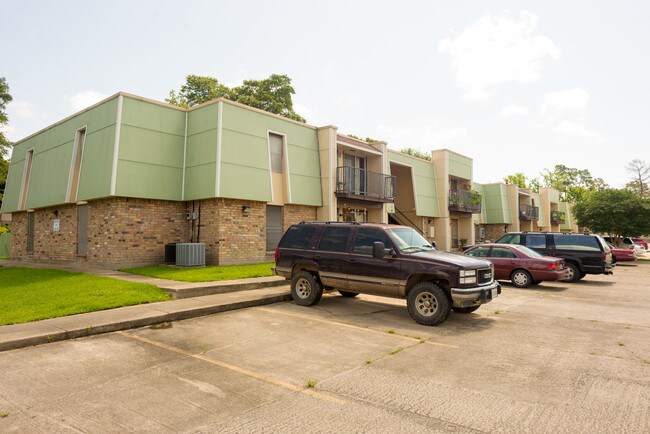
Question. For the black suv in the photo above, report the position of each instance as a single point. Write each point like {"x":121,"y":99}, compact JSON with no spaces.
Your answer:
{"x":583,"y":254}
{"x":388,"y":260}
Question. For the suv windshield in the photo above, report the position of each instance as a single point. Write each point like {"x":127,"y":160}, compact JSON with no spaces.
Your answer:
{"x":408,"y":240}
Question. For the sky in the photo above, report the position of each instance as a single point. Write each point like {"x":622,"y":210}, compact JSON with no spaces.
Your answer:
{"x":518,"y":86}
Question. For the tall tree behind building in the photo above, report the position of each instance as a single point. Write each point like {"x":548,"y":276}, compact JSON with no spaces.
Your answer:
{"x":272,"y":94}
{"x":640,"y":171}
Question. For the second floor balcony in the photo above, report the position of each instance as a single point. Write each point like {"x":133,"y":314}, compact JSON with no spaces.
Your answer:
{"x":529,"y":212}
{"x":356,"y":183}
{"x":465,"y":201}
{"x":558,"y":217}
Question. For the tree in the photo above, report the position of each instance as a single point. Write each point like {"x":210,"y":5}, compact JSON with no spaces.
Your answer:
{"x":272,"y":94}
{"x":640,"y":171}
{"x":617,"y":213}
{"x":573,"y":184}
{"x":416,"y":153}
{"x":518,"y":179}
{"x":5,"y":98}
{"x":5,"y":144}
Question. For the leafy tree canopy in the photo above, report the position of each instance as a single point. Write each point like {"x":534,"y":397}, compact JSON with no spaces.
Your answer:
{"x":573,"y":184}
{"x":272,"y":94}
{"x":416,"y":153}
{"x":5,"y":98}
{"x":617,"y":213}
{"x":518,"y":179}
{"x":367,"y":139}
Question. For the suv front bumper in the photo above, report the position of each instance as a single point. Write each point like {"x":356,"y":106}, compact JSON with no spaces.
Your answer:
{"x":474,"y":296}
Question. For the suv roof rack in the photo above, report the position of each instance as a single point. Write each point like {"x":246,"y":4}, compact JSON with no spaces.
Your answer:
{"x":329,"y":222}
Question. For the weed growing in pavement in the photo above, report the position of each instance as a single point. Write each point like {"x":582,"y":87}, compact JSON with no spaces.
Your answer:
{"x":620,"y":344}
{"x":3,"y":415}
{"x":497,"y":312}
{"x":50,"y":338}
{"x":310,"y":383}
{"x":391,"y":331}
{"x":593,"y":354}
{"x":370,"y":361}
{"x":395,"y":351}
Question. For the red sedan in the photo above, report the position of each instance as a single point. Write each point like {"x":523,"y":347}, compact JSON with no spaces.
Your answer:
{"x":519,"y":264}
{"x":621,"y":254}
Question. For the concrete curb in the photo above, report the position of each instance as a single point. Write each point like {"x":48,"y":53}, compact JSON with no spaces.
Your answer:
{"x":93,"y":323}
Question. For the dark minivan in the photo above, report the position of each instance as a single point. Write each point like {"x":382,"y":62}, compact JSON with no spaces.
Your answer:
{"x":387,"y":260}
{"x":582,"y":253}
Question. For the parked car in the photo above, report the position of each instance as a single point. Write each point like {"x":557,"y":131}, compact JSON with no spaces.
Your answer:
{"x":621,"y":254}
{"x":388,"y":260}
{"x":582,"y":254}
{"x":519,"y":264}
{"x":638,"y":240}
{"x":629,"y":243}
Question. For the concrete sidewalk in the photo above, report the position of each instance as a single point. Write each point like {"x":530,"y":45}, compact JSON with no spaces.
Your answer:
{"x":191,"y":302}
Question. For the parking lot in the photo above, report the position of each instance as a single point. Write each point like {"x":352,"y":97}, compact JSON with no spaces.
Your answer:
{"x":549,"y":358}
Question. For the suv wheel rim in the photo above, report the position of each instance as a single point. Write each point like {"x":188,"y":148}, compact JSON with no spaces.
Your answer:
{"x":303,"y":288}
{"x":520,"y":278}
{"x":426,"y":304}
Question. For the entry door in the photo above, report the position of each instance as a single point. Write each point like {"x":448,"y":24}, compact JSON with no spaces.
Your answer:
{"x":273,"y":227}
{"x":356,"y":181}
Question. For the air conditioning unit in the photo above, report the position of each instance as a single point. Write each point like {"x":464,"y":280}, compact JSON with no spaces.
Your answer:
{"x":190,"y":254}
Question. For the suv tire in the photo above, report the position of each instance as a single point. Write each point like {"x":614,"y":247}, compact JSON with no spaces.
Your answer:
{"x":348,"y":293}
{"x":305,"y":289}
{"x":574,"y":273}
{"x":428,"y":304}
{"x":521,"y":278}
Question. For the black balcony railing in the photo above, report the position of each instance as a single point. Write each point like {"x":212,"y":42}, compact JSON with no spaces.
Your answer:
{"x":558,"y":217}
{"x":465,"y":201}
{"x":528,"y":212}
{"x":363,"y":184}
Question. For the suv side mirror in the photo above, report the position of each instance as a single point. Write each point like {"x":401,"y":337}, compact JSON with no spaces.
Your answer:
{"x":378,"y":249}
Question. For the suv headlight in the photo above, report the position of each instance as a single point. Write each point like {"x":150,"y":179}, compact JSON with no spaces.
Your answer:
{"x":467,"y":277}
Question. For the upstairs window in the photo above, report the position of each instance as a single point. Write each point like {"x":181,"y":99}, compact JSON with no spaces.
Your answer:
{"x":75,"y":168}
{"x":276,"y":143}
{"x":27,"y":173}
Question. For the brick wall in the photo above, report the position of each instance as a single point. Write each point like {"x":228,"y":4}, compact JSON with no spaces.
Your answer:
{"x":293,"y":214}
{"x":493,"y":232}
{"x":124,"y":232}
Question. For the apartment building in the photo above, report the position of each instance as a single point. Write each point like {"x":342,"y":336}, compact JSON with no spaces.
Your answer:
{"x":115,"y":183}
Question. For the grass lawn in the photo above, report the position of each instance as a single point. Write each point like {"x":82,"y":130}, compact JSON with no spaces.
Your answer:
{"x":30,"y":294}
{"x":205,"y":274}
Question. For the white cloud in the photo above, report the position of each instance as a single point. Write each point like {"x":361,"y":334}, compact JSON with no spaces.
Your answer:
{"x":22,"y":109}
{"x":85,"y":99}
{"x":497,"y":49}
{"x":574,"y":129}
{"x":565,"y":100}
{"x":513,"y":109}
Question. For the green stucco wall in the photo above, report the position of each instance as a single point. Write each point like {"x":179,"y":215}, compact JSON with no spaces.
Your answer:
{"x":53,"y":149}
{"x":245,"y":166}
{"x":201,"y":158}
{"x":460,"y":166}
{"x":151,"y":151}
{"x":497,"y":204}
{"x":426,"y":195}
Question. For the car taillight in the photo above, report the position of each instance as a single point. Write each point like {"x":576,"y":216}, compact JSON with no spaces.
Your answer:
{"x":555,"y":266}
{"x":275,"y":256}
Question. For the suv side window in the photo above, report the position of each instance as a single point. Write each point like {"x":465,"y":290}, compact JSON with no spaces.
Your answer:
{"x":298,"y":237}
{"x":536,"y":241}
{"x":576,"y":242}
{"x":366,"y":237}
{"x":334,"y":239}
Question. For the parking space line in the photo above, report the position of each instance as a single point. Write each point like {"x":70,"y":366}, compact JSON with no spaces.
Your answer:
{"x":352,"y":326}
{"x":237,"y":369}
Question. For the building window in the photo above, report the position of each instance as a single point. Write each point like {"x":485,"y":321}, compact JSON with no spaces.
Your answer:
{"x":27,"y":173}
{"x":276,"y":143}
{"x":75,"y":168}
